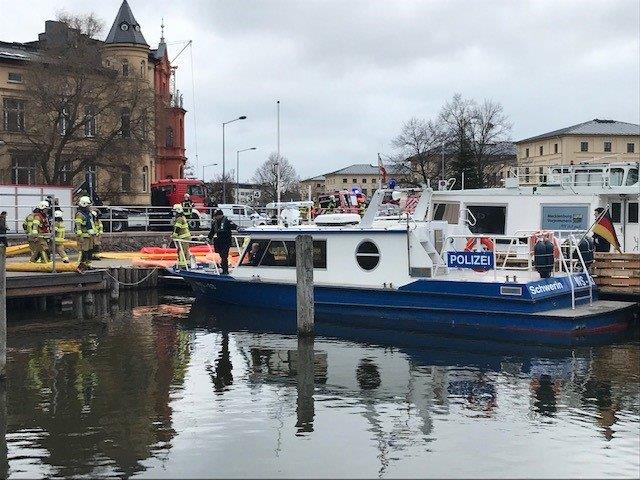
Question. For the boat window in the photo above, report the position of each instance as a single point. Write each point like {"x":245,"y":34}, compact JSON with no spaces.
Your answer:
{"x":632,"y":176}
{"x":238,"y":210}
{"x":281,"y":253}
{"x":367,"y":255}
{"x":616,"y":210}
{"x":615,"y":177}
{"x":447,"y":211}
{"x":489,"y":219}
{"x":633,"y":212}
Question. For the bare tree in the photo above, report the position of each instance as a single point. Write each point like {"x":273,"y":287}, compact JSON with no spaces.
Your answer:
{"x":266,"y":175}
{"x":82,"y":114}
{"x":417,"y":160}
{"x":219,"y":181}
{"x":473,"y":130}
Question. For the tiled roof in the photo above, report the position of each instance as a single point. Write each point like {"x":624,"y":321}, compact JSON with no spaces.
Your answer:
{"x":125,"y":28}
{"x":592,"y":127}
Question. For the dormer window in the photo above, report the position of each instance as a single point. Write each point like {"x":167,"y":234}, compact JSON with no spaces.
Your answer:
{"x":124,"y":26}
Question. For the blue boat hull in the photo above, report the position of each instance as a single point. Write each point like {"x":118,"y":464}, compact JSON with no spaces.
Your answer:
{"x":434,"y":306}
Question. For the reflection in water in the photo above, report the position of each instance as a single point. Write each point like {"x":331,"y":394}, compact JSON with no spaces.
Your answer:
{"x":131,"y":393}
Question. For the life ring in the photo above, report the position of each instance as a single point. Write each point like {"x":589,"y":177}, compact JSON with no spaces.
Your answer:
{"x":484,"y":241}
{"x":544,"y":235}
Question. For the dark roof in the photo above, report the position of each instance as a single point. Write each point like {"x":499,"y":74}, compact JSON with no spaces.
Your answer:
{"x":318,"y":178}
{"x":131,"y":32}
{"x":592,"y":127}
{"x":358,"y":169}
{"x":158,"y":53}
{"x":17,"y":52}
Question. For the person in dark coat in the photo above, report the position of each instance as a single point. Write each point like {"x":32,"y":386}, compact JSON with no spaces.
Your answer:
{"x":220,"y":234}
{"x":3,"y":228}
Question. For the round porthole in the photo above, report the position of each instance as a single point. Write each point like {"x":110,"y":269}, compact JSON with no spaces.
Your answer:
{"x":367,"y":255}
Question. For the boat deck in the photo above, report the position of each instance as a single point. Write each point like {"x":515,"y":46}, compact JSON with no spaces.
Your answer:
{"x":598,"y":307}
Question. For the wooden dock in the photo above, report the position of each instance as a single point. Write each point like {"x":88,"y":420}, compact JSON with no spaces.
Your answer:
{"x":105,"y":275}
{"x":617,"y":273}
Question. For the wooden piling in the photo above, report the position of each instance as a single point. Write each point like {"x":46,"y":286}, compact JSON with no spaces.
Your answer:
{"x":3,"y":311}
{"x":114,"y":293}
{"x":305,"y":385}
{"x":304,"y":280}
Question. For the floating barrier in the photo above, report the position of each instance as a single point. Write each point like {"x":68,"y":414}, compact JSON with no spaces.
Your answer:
{"x":41,"y":267}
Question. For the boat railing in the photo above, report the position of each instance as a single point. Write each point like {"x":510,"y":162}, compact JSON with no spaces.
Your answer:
{"x":185,"y":260}
{"x":571,"y":263}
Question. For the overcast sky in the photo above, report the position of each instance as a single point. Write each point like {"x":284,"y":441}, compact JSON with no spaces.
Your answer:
{"x":349,"y":73}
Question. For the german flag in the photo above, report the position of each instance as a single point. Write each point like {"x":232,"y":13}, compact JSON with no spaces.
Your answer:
{"x":604,"y":228}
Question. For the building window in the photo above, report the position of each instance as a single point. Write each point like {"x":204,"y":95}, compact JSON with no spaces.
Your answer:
{"x":526,"y":174}
{"x":344,"y":180}
{"x":526,"y":153}
{"x":126,"y":178}
{"x":13,"y":110}
{"x":63,"y":121}
{"x":145,"y":179}
{"x":364,"y":180}
{"x":631,"y":147}
{"x":555,"y":148}
{"x":541,"y":150}
{"x":143,"y":67}
{"x":168,"y":140}
{"x":584,"y":146}
{"x":364,"y":191}
{"x":125,"y":123}
{"x":125,"y":68}
{"x":367,"y":255}
{"x":90,"y":122}
{"x":66,"y":174}
{"x":15,"y":77}
{"x":23,"y":169}
{"x":607,"y":146}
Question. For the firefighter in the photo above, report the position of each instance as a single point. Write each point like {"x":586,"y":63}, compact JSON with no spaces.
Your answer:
{"x":180,"y":232}
{"x":40,"y":232}
{"x":27,"y":226}
{"x":332,"y":204}
{"x":85,"y":233}
{"x":99,"y":230}
{"x":187,"y":206}
{"x":59,"y":230}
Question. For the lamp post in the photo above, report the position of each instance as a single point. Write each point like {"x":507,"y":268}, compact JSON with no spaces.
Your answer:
{"x":204,"y":166}
{"x":238,"y":170}
{"x":224,"y":183}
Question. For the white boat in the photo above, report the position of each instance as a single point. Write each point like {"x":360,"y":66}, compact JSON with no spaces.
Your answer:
{"x":417,"y":273}
{"x":562,"y":199}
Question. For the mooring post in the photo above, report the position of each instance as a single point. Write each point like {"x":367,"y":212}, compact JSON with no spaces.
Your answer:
{"x":304,"y":277}
{"x":114,"y":292}
{"x":305,"y":384}
{"x":3,"y":311}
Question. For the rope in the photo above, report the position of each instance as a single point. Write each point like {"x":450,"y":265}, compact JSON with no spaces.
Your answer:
{"x":106,"y":271}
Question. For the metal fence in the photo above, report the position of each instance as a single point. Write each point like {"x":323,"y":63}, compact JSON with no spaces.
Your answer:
{"x":121,"y":218}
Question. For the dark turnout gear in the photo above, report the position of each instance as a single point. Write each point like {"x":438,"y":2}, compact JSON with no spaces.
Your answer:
{"x":220,"y":234}
{"x":85,"y":232}
{"x":3,"y":228}
{"x":187,"y":208}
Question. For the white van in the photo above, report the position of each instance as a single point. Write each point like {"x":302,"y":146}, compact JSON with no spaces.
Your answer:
{"x":242,"y":215}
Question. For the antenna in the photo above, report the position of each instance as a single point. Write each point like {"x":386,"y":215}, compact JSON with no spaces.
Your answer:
{"x":162,"y":31}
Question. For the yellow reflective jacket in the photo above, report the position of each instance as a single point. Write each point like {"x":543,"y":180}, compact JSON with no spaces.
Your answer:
{"x":27,"y":225}
{"x":84,"y":224}
{"x":59,"y":231}
{"x":181,"y":228}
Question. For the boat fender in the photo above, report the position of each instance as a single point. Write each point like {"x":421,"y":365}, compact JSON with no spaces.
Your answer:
{"x":543,"y":258}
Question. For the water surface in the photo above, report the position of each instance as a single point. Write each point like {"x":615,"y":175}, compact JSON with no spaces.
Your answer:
{"x":169,"y":390}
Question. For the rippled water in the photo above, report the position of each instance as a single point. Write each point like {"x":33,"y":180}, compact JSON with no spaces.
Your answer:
{"x":173,"y":390}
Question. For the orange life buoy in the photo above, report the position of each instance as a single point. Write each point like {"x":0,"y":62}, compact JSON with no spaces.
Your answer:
{"x":544,"y":235}
{"x":484,"y":241}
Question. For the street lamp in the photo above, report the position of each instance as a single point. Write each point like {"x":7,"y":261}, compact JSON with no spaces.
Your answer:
{"x":238,"y":170}
{"x":203,"y":167}
{"x":224,"y":183}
